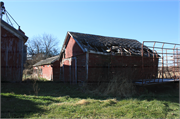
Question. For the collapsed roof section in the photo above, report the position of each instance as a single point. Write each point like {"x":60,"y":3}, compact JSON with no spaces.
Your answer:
{"x":110,"y":45}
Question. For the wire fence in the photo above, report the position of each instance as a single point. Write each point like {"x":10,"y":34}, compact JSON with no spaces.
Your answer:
{"x":169,"y":59}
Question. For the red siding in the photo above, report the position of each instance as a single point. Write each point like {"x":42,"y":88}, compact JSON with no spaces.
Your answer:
{"x":81,"y":67}
{"x":72,"y":49}
{"x":98,"y":67}
{"x":70,"y":69}
{"x":56,"y":70}
{"x":46,"y":72}
{"x":103,"y":67}
{"x":66,"y":69}
{"x":11,"y":56}
{"x":73,"y":65}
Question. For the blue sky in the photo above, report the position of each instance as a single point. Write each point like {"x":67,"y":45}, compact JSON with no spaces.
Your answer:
{"x":141,"y":20}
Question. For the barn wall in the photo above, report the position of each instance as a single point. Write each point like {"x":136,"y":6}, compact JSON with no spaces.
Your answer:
{"x":81,"y":68}
{"x":47,"y":72}
{"x":73,"y":67}
{"x":104,"y":67}
{"x":66,"y":70}
{"x":72,"y":49}
{"x":44,"y":71}
{"x":98,"y":67}
{"x":135,"y":67}
{"x":11,"y":56}
{"x":56,"y":70}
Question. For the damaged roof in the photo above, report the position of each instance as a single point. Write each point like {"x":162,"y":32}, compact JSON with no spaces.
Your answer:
{"x":104,"y":44}
{"x":47,"y":61}
{"x":88,"y":41}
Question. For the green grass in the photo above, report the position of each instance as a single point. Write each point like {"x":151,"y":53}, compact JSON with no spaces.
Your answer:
{"x":57,"y":100}
{"x":29,"y":77}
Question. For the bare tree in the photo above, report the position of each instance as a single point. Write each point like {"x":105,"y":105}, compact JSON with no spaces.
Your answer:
{"x":44,"y":44}
{"x":41,"y":47}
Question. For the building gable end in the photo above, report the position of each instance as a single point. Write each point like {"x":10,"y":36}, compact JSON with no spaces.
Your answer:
{"x":13,"y":31}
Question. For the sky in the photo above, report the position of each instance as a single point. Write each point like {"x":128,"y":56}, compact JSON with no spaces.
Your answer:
{"x":152,"y":20}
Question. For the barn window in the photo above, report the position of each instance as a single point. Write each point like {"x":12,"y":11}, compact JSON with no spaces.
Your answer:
{"x":47,"y":65}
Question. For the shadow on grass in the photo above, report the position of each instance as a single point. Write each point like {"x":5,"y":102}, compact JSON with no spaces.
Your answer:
{"x":15,"y":103}
{"x":13,"y":107}
{"x":164,"y":92}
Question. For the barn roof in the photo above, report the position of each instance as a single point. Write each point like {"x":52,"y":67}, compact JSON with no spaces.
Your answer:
{"x":47,"y":61}
{"x":107,"y":45}
{"x":90,"y":41}
{"x":17,"y":32}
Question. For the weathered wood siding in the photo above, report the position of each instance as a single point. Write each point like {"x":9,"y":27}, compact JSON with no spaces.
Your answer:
{"x":47,"y":72}
{"x":13,"y":53}
{"x":56,"y":70}
{"x":73,"y":64}
{"x":72,"y":49}
{"x":103,"y":67}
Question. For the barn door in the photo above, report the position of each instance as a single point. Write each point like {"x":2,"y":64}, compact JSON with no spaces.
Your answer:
{"x":70,"y":70}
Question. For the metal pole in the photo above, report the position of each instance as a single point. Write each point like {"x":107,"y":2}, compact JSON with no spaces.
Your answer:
{"x":174,"y":61}
{"x":166,"y":62}
{"x":177,"y":61}
{"x":153,"y":60}
{"x":162,"y":63}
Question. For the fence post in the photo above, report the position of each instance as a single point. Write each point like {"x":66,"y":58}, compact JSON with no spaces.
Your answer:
{"x":142,"y":53}
{"x":162,"y":63}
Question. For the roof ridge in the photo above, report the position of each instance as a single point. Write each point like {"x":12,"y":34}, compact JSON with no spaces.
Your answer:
{"x":47,"y":61}
{"x":99,"y":35}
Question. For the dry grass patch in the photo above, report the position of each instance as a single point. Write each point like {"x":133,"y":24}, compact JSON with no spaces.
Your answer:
{"x":112,"y":101}
{"x":119,"y":85}
{"x":82,"y":102}
{"x":63,"y":103}
{"x":109,"y":102}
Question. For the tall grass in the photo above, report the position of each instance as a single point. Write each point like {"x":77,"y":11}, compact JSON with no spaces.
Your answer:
{"x":119,"y":85}
{"x":61,"y":100}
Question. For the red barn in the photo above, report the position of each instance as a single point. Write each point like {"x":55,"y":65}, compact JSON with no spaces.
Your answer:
{"x":90,"y":58}
{"x":13,"y":53}
{"x":48,"y":68}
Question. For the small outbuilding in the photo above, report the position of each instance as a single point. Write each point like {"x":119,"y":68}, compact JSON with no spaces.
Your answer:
{"x":48,"y":68}
{"x":92,"y":58}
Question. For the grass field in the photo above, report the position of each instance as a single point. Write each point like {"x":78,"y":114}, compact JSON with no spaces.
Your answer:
{"x":58,"y":100}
